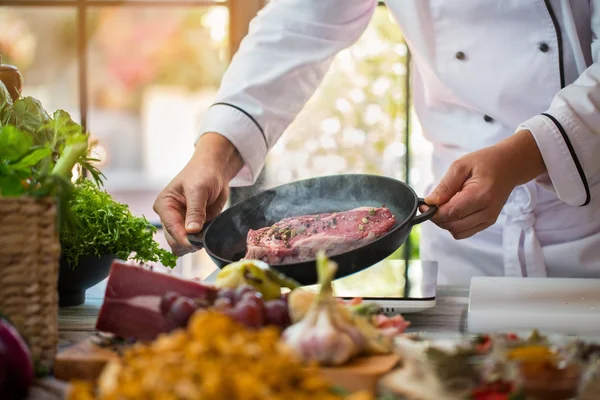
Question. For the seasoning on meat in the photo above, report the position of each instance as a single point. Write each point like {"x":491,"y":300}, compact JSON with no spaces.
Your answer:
{"x":300,"y":238}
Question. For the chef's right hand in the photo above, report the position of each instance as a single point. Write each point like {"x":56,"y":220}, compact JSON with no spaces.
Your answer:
{"x":199,"y":192}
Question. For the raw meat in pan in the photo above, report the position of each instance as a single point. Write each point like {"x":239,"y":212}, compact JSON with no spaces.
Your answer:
{"x":298,"y":239}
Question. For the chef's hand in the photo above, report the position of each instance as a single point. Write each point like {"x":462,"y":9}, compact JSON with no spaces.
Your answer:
{"x":475,"y":188}
{"x":199,"y":192}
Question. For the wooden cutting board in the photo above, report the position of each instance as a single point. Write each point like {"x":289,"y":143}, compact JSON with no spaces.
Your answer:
{"x":362,"y":373}
{"x":85,"y":361}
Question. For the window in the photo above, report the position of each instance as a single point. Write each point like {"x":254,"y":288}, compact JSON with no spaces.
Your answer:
{"x":140,"y":73}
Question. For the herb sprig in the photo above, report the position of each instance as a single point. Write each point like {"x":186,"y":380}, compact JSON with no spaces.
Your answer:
{"x":108,"y":227}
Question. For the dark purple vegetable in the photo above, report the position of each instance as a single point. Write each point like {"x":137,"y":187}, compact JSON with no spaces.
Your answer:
{"x":2,"y":367}
{"x":16,"y":366}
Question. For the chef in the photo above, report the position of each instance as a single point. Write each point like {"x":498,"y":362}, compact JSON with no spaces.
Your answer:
{"x":508,"y":93}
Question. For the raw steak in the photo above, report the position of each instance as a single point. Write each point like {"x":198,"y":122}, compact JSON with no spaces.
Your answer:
{"x":298,"y":239}
{"x":131,"y":302}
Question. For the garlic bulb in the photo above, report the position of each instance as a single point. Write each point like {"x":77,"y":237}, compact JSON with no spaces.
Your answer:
{"x":325,"y":334}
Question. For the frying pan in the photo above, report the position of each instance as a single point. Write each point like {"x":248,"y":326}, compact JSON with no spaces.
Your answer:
{"x":224,"y":238}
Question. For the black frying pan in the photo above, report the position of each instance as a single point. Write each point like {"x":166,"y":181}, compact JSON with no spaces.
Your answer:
{"x":224,"y":238}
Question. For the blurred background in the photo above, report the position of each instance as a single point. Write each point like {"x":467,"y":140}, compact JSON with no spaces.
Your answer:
{"x":139,"y":74}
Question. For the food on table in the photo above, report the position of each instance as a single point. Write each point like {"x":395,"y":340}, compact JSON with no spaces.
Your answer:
{"x":456,"y":369}
{"x":449,"y":371}
{"x":531,"y":367}
{"x":496,"y":391}
{"x":323,"y":334}
{"x":329,"y":332}
{"x":543,"y":373}
{"x":299,"y":302}
{"x":16,"y":366}
{"x":298,"y":239}
{"x":141,"y":304}
{"x":131,"y":307}
{"x":357,"y":306}
{"x":495,"y":367}
{"x":366,"y":316}
{"x":214,"y":358}
{"x":586,"y":352}
{"x":414,"y":379}
{"x":244,"y":304}
{"x":390,"y":326}
{"x":257,"y":274}
{"x":536,"y":368}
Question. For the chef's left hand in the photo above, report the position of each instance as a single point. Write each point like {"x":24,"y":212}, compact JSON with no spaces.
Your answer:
{"x":475,"y":188}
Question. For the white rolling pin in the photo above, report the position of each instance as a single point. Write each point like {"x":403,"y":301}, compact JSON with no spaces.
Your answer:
{"x":552,"y":305}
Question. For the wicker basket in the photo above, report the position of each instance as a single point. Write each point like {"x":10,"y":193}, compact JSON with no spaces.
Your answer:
{"x":29,"y":263}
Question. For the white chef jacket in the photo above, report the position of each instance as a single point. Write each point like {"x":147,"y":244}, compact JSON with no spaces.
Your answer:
{"x":482,"y":70}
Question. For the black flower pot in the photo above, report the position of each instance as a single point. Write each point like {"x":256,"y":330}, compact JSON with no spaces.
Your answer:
{"x":73,"y":282}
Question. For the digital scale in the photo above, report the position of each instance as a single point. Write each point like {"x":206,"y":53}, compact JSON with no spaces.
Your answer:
{"x":396,"y":288}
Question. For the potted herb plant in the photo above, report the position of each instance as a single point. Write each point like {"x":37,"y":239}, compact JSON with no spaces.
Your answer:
{"x":107,"y":231}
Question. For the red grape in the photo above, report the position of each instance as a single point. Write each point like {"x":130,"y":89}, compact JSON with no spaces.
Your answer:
{"x":167,"y":301}
{"x":251,"y":295}
{"x":181,"y":311}
{"x":254,"y":298}
{"x":227,"y":293}
{"x":249,"y":311}
{"x":223,"y":303}
{"x":202,"y":302}
{"x":240,"y":291}
{"x":276,"y":313}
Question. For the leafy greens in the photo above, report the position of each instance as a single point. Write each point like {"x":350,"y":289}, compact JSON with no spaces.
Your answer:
{"x":108,"y":227}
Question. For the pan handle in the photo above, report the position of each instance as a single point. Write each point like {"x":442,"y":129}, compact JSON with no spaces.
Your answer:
{"x":427,"y":215}
{"x":197,"y":239}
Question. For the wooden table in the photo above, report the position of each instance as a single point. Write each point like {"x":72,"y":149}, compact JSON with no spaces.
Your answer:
{"x":447,"y":319}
